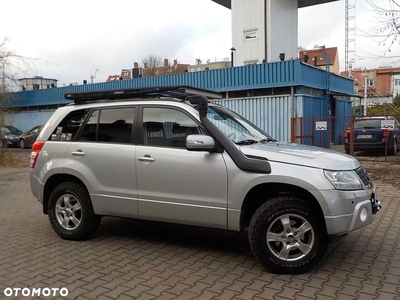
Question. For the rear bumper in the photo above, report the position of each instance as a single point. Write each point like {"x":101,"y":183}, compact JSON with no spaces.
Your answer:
{"x":37,"y":187}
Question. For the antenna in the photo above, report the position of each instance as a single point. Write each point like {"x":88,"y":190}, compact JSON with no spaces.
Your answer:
{"x":93,"y":76}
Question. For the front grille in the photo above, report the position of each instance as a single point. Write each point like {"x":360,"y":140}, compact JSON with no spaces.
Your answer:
{"x":362,"y":173}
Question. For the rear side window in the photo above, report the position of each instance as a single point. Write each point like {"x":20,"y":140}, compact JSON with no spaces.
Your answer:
{"x":111,"y":125}
{"x":69,"y":126}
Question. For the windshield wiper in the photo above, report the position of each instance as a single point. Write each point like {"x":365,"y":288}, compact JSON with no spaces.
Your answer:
{"x":268,"y":140}
{"x":247,"y":142}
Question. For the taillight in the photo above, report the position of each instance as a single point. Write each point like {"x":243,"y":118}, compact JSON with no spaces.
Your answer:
{"x":36,"y":148}
{"x":346,"y":132}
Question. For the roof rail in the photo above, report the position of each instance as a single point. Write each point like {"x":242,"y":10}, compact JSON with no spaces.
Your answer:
{"x":181,"y":92}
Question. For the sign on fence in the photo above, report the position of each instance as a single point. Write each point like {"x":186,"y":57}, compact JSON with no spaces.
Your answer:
{"x":321,"y":125}
{"x":387,"y":124}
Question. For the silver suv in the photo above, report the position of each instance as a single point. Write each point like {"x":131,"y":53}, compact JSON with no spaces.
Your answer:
{"x":167,"y":154}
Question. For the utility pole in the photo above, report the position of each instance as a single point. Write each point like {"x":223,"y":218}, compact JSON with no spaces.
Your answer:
{"x":365,"y":94}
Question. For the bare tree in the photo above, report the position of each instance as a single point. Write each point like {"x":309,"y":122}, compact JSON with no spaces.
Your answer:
{"x":387,"y":25}
{"x":151,"y":64}
{"x":11,"y":64}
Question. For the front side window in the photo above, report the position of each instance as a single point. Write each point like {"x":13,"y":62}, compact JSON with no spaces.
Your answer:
{"x":111,"y":125}
{"x":167,"y":127}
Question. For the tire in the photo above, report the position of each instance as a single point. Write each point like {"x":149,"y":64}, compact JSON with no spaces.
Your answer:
{"x":268,"y":219}
{"x":22,"y":144}
{"x":73,"y":201}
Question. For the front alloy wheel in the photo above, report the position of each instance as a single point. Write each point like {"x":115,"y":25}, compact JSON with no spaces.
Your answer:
{"x":287,"y":235}
{"x":290,"y":237}
{"x":22,"y":144}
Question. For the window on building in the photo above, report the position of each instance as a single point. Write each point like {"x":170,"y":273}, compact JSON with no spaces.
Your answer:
{"x":250,"y":35}
{"x":370,"y":82}
{"x":36,"y":86}
{"x":397,"y":81}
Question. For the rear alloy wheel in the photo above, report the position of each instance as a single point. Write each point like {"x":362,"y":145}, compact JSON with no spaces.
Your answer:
{"x":22,"y":144}
{"x":286,"y":236}
{"x":71,"y":213}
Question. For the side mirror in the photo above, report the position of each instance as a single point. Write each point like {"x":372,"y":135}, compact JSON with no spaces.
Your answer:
{"x":200,"y":142}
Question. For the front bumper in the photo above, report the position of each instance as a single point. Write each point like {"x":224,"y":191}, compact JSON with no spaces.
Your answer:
{"x":362,"y":212}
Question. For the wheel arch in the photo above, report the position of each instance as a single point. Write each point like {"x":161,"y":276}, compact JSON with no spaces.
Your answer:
{"x":264,"y":192}
{"x":54,"y":181}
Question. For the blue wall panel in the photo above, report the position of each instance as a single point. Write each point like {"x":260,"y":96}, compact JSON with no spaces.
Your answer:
{"x":271,"y":75}
{"x":272,"y":114}
{"x":28,"y":119}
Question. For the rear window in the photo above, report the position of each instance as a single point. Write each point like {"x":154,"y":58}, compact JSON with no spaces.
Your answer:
{"x":368,"y":123}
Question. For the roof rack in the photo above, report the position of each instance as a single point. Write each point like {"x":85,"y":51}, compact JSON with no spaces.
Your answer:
{"x":181,"y":92}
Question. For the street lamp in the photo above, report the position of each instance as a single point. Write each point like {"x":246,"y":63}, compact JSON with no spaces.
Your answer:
{"x":232,"y":50}
{"x":327,"y":57}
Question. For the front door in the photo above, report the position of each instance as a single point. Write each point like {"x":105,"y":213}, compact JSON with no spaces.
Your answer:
{"x":174,"y":184}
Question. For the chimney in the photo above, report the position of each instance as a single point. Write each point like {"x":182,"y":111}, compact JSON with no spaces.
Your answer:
{"x":135,"y":65}
{"x":175,"y":62}
{"x":165,"y":62}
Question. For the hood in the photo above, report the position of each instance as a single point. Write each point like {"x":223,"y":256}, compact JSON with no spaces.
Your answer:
{"x":304,"y":155}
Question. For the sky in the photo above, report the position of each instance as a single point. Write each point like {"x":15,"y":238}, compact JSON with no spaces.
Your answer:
{"x":75,"y":40}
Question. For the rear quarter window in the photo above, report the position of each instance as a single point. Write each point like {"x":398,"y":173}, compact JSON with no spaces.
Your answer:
{"x":69,"y":126}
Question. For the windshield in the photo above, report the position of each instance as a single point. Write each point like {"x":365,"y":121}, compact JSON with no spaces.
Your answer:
{"x":235,"y":127}
{"x":12,"y":130}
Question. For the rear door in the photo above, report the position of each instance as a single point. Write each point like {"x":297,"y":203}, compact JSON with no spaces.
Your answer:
{"x":104,"y":155}
{"x":32,"y":135}
{"x":176,"y":185}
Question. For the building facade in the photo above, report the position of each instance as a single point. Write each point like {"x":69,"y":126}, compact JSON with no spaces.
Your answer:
{"x":270,"y":95}
{"x":36,"y":83}
{"x":378,"y":85}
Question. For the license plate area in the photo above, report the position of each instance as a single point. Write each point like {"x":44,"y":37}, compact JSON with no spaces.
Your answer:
{"x":364,"y":136}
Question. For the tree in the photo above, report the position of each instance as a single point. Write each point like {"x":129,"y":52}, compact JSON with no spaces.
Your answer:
{"x":396,"y":100}
{"x":11,"y":64}
{"x":151,"y":64}
{"x":387,"y":28}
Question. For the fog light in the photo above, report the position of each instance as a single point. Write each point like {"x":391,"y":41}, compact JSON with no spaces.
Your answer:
{"x":363,"y":214}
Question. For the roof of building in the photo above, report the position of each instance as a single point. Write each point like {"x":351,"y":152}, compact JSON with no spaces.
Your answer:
{"x":302,"y":3}
{"x":312,"y":53}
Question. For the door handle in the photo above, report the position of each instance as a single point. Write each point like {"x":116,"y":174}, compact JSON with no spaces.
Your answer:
{"x":78,"y":153}
{"x":146,"y":158}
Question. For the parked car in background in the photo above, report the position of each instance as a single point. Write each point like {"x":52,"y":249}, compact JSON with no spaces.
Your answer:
{"x":9,"y":136}
{"x":27,"y":139}
{"x":368,"y":135}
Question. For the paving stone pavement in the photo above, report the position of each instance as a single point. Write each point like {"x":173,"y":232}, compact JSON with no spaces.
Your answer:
{"x":130,"y":259}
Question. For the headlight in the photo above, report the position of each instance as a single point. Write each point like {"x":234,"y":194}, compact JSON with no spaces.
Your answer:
{"x":344,"y":180}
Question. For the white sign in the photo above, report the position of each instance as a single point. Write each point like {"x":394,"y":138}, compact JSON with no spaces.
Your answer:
{"x":321,"y":125}
{"x":387,"y":124}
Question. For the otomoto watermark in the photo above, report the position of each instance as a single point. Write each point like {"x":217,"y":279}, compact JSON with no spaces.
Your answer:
{"x":29,"y":292}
